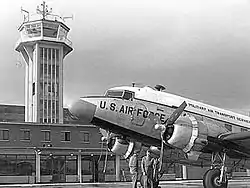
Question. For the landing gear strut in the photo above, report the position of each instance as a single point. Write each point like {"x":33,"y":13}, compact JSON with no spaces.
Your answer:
{"x":216,"y":176}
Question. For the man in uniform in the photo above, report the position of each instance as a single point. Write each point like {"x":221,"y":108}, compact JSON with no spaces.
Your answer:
{"x":147,"y":170}
{"x":156,"y":173}
{"x":133,"y":168}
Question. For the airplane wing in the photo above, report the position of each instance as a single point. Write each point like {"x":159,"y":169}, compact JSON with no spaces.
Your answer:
{"x":237,"y":136}
{"x":237,"y":142}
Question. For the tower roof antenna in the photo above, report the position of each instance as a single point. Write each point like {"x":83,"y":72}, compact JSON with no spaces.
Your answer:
{"x":25,"y":15}
{"x":43,"y":10}
{"x":67,"y":17}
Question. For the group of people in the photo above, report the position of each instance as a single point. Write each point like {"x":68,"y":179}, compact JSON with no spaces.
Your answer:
{"x":149,"y":168}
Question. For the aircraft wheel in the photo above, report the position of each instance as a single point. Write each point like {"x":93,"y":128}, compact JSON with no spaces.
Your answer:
{"x":204,"y":185}
{"x":211,"y":179}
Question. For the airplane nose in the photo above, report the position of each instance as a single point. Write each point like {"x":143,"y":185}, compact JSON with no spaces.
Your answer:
{"x":83,"y":110}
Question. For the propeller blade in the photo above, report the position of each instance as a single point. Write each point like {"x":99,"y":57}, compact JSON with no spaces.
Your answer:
{"x":175,"y":115}
{"x":161,"y":155}
{"x":106,"y":134}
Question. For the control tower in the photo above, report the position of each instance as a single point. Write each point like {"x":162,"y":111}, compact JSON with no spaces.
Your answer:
{"x":43,"y":45}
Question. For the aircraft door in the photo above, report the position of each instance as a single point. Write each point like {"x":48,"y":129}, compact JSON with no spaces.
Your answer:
{"x":138,"y":114}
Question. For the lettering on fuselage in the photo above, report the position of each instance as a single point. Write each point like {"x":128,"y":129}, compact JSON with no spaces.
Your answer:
{"x":213,"y":111}
{"x":130,"y":110}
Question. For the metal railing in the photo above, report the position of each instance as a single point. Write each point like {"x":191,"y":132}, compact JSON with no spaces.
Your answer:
{"x":31,"y":39}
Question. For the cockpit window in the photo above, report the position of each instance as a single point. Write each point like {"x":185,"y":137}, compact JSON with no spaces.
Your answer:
{"x":127,"y":95}
{"x":112,"y":93}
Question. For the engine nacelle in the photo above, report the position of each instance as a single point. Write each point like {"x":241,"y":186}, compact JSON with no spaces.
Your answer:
{"x":122,"y":147}
{"x":187,"y":134}
{"x":181,"y":135}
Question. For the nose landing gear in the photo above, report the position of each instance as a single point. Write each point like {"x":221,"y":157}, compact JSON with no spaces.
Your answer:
{"x":216,"y":176}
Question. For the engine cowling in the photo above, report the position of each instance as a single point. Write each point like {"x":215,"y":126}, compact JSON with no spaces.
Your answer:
{"x":187,"y":134}
{"x":123,"y":147}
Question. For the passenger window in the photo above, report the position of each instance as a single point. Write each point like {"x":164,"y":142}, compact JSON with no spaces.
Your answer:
{"x":228,"y":127}
{"x":128,"y":95}
{"x":243,"y":129}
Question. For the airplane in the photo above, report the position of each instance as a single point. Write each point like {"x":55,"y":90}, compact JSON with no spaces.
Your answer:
{"x":178,"y":129}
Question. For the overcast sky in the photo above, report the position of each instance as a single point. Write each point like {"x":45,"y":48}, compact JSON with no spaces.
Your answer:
{"x":196,"y":48}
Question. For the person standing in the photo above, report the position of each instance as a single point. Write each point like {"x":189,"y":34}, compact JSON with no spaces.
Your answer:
{"x":133,"y":168}
{"x":147,"y":170}
{"x":156,"y":172}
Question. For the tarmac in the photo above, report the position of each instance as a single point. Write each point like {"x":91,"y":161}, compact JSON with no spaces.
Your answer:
{"x":163,"y":184}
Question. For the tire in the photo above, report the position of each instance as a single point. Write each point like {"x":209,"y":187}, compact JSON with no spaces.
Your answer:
{"x":204,"y":177}
{"x":211,"y":178}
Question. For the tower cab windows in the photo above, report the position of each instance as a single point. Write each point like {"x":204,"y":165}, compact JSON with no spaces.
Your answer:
{"x":127,"y":95}
{"x":50,"y":30}
{"x":31,"y":30}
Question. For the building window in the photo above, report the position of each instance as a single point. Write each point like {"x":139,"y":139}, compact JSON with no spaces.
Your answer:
{"x":84,"y":136}
{"x":228,"y":127}
{"x":33,"y":89}
{"x":4,"y":134}
{"x":65,"y":136}
{"x":46,"y":136}
{"x":25,"y":134}
{"x":17,"y":165}
{"x":71,"y":165}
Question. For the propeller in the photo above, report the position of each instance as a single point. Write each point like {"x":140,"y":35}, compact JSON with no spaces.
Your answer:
{"x":106,"y":155}
{"x":168,"y":123}
{"x":175,"y":115}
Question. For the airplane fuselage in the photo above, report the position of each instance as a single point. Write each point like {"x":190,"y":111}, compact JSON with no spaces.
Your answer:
{"x":132,"y":112}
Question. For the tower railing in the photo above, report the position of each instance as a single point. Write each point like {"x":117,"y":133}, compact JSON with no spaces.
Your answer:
{"x":27,"y":39}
